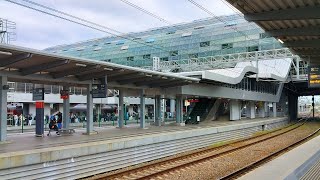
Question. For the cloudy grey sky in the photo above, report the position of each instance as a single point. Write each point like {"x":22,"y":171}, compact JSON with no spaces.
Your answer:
{"x":38,"y":30}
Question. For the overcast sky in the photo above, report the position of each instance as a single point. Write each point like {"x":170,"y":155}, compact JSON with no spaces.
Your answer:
{"x":39,"y":31}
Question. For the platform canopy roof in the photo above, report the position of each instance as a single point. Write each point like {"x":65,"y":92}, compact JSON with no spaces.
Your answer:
{"x":34,"y":66}
{"x":295,"y":22}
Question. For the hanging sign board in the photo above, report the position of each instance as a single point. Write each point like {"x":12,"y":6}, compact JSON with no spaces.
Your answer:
{"x":314,"y":77}
{"x":99,"y":91}
{"x":38,"y":94}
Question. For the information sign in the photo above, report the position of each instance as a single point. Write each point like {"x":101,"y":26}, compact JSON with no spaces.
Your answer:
{"x":99,"y":91}
{"x":38,"y":94}
{"x":314,"y":77}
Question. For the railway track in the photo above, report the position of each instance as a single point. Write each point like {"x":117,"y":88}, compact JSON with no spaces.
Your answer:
{"x":243,"y":170}
{"x":167,"y":166}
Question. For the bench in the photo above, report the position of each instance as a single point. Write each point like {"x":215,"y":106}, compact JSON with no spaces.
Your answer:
{"x":62,"y":131}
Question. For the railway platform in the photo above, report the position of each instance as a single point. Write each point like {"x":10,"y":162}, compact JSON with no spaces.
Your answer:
{"x":301,"y":162}
{"x":76,"y":156}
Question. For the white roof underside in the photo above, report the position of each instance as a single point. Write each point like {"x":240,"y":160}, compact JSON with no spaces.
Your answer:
{"x":273,"y":69}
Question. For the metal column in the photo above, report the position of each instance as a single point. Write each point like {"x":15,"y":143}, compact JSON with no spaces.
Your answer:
{"x":39,"y":114}
{"x":66,"y":110}
{"x":179,"y":110}
{"x":89,"y":110}
{"x":3,"y":109}
{"x":142,"y":110}
{"x":157,"y":110}
{"x":274,"y":109}
{"x":120,"y":110}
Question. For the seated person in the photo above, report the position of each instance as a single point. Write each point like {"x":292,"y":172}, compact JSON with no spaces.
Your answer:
{"x":53,"y":125}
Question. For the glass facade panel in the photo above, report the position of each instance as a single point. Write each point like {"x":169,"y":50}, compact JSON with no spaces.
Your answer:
{"x":206,"y":37}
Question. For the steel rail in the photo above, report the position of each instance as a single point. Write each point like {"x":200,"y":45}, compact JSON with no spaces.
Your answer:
{"x":198,"y":153}
{"x":251,"y":166}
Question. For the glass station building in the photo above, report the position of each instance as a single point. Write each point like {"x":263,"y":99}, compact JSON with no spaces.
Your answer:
{"x":200,"y":38}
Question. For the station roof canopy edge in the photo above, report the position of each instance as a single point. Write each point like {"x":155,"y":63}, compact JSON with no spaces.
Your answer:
{"x":21,"y":64}
{"x":295,"y":23}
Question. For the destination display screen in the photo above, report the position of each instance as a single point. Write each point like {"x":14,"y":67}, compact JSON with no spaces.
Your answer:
{"x":314,"y":77}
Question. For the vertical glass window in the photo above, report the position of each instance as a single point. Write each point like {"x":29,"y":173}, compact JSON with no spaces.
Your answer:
{"x":147,"y":56}
{"x":205,"y":44}
{"x":173,"y":53}
{"x":130,"y":58}
{"x":164,"y":59}
{"x":227,"y":46}
{"x":195,"y":55}
{"x":252,"y":48}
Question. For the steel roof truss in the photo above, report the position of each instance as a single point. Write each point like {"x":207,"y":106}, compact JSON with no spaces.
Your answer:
{"x":42,"y":67}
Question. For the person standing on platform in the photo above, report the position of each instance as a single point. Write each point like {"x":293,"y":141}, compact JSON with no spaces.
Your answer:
{"x":16,"y":119}
{"x":29,"y":118}
{"x":59,"y":121}
{"x":21,"y":119}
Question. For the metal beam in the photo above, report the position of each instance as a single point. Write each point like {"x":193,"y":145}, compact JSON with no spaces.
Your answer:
{"x":14,"y":59}
{"x":151,"y":82}
{"x":93,"y":75}
{"x":285,"y":14}
{"x":171,"y":83}
{"x":122,"y":76}
{"x":301,"y":31}
{"x":134,"y":80}
{"x":73,"y":72}
{"x":45,"y":66}
{"x":312,"y":43}
{"x":307,"y":52}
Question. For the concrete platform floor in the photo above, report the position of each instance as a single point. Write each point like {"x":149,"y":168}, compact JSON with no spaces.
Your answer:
{"x":28,"y":141}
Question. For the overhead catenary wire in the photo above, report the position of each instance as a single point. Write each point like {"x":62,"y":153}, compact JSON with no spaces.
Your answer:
{"x":217,"y":17}
{"x":146,"y":11}
{"x":80,"y":23}
{"x":163,"y":20}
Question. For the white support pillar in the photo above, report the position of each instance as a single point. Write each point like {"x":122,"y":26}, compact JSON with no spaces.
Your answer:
{"x":3,"y":109}
{"x":235,"y":110}
{"x":120,"y":110}
{"x":267,"y":109}
{"x":163,"y":109}
{"x":66,"y":110}
{"x":89,"y":110}
{"x":172,"y":107}
{"x":142,"y":109}
{"x":262,"y":110}
{"x":274,"y":109}
{"x":251,"y":110}
{"x":157,"y":110}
